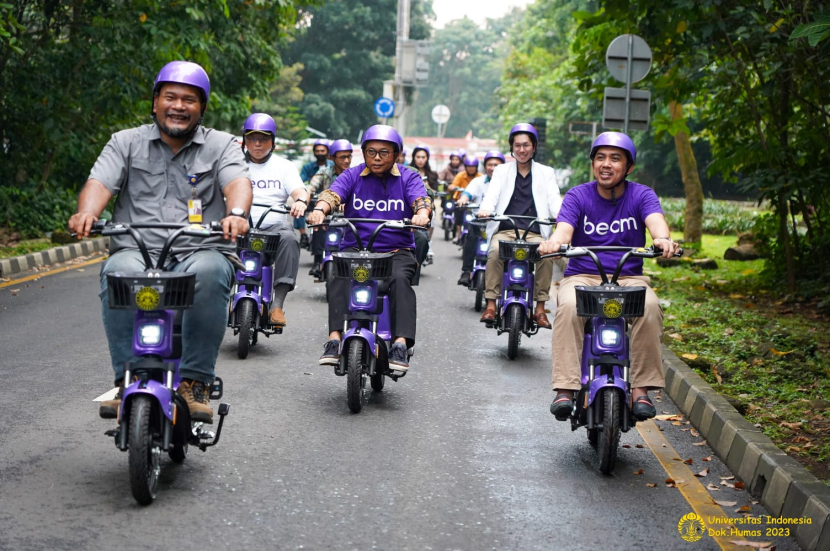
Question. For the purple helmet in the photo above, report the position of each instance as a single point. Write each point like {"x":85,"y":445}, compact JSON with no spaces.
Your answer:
{"x":471,"y":160}
{"x":462,"y":153}
{"x":340,"y":145}
{"x":456,"y":153}
{"x":185,"y":72}
{"x":382,"y":133}
{"x":615,"y":139}
{"x":324,"y":143}
{"x":494,"y":154}
{"x":260,"y":122}
{"x":524,"y":128}
{"x":423,"y":148}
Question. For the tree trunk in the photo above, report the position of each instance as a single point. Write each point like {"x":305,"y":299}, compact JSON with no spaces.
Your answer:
{"x":693,"y":232}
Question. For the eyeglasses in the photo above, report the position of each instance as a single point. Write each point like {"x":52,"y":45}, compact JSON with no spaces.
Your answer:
{"x":258,"y":139}
{"x":343,"y":157}
{"x":383,"y":153}
{"x":523,"y":146}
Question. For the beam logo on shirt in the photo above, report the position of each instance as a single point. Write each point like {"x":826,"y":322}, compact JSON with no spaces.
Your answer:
{"x":602,"y":228}
{"x":381,"y":205}
{"x":266,"y":184}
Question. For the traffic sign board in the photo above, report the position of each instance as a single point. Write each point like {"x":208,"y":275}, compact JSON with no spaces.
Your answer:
{"x":384,"y":107}
{"x":614,"y":109}
{"x":440,"y":114}
{"x":617,"y":58}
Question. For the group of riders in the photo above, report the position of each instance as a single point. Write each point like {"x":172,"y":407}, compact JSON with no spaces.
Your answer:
{"x":158,"y":171}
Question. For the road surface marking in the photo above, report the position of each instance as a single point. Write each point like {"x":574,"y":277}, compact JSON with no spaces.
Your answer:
{"x":52,"y":272}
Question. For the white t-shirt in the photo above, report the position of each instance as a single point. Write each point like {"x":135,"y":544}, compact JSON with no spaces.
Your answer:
{"x":272,"y":183}
{"x":477,"y":188}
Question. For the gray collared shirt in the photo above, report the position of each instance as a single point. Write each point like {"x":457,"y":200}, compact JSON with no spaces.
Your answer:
{"x":151,"y":183}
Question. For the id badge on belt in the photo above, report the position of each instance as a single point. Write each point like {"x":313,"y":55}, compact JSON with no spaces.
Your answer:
{"x":194,"y":204}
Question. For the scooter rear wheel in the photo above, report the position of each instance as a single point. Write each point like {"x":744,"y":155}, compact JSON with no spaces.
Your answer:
{"x":355,"y":379}
{"x":609,"y":435}
{"x":246,"y":314}
{"x":478,"y":283}
{"x":515,"y":324}
{"x":144,"y":452}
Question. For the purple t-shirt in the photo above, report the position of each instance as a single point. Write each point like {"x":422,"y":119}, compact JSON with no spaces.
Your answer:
{"x":389,"y":198}
{"x":597,"y":222}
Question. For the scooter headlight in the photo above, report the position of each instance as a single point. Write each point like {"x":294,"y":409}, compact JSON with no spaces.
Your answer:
{"x":150,"y":334}
{"x":362,"y":296}
{"x":482,"y":247}
{"x":449,"y":205}
{"x":333,"y":237}
{"x":468,"y":217}
{"x":609,"y":337}
{"x":250,"y":265}
{"x":518,"y":273}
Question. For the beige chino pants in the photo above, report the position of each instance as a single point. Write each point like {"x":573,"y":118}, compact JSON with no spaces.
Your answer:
{"x":568,"y":332}
{"x":495,"y":268}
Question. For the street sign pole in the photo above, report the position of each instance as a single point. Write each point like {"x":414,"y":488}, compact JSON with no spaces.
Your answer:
{"x":629,"y":60}
{"x":440,"y":116}
{"x":628,"y":83}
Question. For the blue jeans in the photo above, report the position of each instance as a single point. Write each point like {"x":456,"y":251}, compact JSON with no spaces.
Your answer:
{"x":299,"y":223}
{"x":203,"y":325}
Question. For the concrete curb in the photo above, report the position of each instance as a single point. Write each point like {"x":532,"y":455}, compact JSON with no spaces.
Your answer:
{"x":785,"y":487}
{"x":17,"y":264}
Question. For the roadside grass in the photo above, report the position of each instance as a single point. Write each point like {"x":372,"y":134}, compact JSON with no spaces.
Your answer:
{"x":770,"y":358}
{"x":26,"y":246}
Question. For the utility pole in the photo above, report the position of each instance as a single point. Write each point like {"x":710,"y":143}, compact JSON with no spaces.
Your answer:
{"x":399,"y":120}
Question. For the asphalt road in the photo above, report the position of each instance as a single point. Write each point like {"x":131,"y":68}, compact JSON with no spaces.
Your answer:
{"x":460,"y":454}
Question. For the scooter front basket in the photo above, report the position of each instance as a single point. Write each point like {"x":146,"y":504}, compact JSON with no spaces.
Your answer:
{"x":610,"y":301}
{"x":518,"y":250}
{"x":159,"y":291}
{"x":363,"y":266}
{"x":258,"y":241}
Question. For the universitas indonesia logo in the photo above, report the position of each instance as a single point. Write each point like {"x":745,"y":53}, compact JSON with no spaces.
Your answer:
{"x":691,"y":527}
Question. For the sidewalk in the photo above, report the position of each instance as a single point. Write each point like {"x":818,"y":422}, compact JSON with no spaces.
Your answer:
{"x":18,"y":264}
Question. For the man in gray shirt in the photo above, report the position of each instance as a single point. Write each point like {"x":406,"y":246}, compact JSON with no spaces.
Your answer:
{"x":155,"y":170}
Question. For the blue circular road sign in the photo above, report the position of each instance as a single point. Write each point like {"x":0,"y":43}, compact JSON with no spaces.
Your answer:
{"x":384,"y":107}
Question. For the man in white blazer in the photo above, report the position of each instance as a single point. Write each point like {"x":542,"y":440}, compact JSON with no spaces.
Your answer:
{"x":524,"y":188}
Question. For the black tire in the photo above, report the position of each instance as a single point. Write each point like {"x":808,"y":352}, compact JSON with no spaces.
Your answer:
{"x":515,"y":324}
{"x":328,"y":277}
{"x":355,"y":379}
{"x":181,"y":431}
{"x":608,"y":440}
{"x":447,"y":231}
{"x":144,"y":452}
{"x":246,"y":316}
{"x":478,"y":283}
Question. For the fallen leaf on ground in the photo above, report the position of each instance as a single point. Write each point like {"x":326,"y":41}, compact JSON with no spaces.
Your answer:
{"x":677,"y":423}
{"x":694,"y":433}
{"x":690,"y":356}
{"x":704,"y":472}
{"x":736,"y":296}
{"x":639,"y":446}
{"x":670,"y":482}
{"x":706,"y":458}
{"x":670,"y":417}
{"x":639,"y":472}
{"x":744,"y":509}
{"x":727,"y":484}
{"x":689,"y":461}
{"x":725,"y":503}
{"x":780,"y":353}
{"x":701,"y":443}
{"x":740,"y":485}
{"x":713,"y":488}
{"x":651,"y":484}
{"x":727,"y":478}
{"x":791,"y":426}
{"x":676,"y":336}
{"x":79,"y":270}
{"x":626,"y":445}
{"x":728,"y":331}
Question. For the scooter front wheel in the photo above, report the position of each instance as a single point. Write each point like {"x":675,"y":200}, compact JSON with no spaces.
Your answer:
{"x":144,"y":451}
{"x":608,"y":440}
{"x":515,"y":324}
{"x":355,"y":379}
{"x":478,"y":283}
{"x":245,"y":315}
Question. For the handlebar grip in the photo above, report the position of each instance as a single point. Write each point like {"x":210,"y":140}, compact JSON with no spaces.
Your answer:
{"x":216,"y":225}
{"x":679,"y":252}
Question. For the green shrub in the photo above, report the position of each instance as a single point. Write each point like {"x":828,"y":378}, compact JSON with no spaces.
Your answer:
{"x":719,"y":217}
{"x":33,"y":210}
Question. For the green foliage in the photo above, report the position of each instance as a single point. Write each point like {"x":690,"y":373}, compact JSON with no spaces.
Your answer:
{"x":465,"y":70}
{"x":72,"y":73}
{"x":347,"y":49}
{"x":815,"y":32}
{"x":719,"y":217}
{"x":34,"y":210}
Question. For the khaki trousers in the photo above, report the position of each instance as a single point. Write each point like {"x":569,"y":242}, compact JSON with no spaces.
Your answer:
{"x":495,"y":268}
{"x":569,"y":330}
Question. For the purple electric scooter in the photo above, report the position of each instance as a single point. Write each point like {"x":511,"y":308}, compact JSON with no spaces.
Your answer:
{"x":367,"y":328}
{"x":251,"y":297}
{"x":514,"y":307}
{"x":153,"y":416}
{"x":603,"y":403}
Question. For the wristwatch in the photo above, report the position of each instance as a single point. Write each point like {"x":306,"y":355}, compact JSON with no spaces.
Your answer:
{"x":236,"y":211}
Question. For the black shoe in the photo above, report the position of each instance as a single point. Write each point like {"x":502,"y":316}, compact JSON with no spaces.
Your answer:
{"x":108,"y":409}
{"x":398,"y":358}
{"x":331,"y":355}
{"x":562,"y":407}
{"x":464,"y":279}
{"x":643,"y":408}
{"x":304,"y":243}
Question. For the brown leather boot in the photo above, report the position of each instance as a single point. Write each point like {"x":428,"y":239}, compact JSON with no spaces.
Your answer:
{"x":108,"y":409}
{"x":196,"y":394}
{"x":277,"y":317}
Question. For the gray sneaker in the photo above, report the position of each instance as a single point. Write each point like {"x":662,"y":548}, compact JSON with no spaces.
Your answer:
{"x":398,"y":358}
{"x":331,"y":355}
